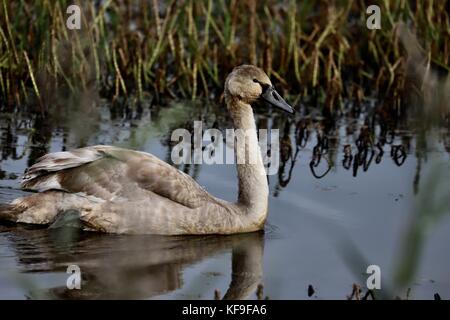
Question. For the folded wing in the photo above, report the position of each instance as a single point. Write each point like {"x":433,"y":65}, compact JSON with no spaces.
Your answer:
{"x":113,"y":174}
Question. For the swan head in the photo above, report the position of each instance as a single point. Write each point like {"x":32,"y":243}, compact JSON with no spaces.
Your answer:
{"x":250,"y":84}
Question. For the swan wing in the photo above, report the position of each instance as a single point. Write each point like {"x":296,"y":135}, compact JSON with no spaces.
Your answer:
{"x":110,"y":173}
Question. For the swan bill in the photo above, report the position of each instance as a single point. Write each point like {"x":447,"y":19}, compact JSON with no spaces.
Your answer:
{"x":271,"y":96}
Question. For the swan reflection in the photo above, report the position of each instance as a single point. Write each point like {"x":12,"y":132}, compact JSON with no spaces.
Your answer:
{"x":132,"y":267}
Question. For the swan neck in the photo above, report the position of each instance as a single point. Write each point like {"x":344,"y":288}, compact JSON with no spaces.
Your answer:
{"x":253,"y":188}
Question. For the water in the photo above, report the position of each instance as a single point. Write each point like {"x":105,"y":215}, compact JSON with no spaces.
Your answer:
{"x":330,"y":215}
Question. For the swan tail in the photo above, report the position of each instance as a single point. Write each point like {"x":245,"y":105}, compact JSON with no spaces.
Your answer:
{"x":7,"y":212}
{"x":39,"y":208}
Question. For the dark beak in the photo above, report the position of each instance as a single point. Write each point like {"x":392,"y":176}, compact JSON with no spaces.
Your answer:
{"x":271,"y":96}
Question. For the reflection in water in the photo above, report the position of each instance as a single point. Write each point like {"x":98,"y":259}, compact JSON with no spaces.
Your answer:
{"x":361,"y":135}
{"x":356,"y":139}
{"x":133,"y":267}
{"x":369,"y":135}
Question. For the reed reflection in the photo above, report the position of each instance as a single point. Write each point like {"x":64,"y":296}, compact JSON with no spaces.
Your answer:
{"x":355,"y":138}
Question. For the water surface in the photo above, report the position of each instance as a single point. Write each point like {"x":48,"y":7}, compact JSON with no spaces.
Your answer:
{"x":348,"y":194}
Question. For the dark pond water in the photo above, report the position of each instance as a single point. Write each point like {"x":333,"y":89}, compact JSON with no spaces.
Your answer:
{"x":362,"y":190}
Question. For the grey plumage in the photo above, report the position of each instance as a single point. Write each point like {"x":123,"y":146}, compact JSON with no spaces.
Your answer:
{"x":125,"y":191}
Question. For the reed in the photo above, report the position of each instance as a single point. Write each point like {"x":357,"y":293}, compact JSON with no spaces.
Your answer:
{"x":184,"y":49}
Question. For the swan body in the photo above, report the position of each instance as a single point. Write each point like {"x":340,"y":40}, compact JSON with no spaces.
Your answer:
{"x":117,"y":190}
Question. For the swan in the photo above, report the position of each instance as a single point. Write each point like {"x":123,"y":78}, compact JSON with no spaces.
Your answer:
{"x":116,"y":190}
